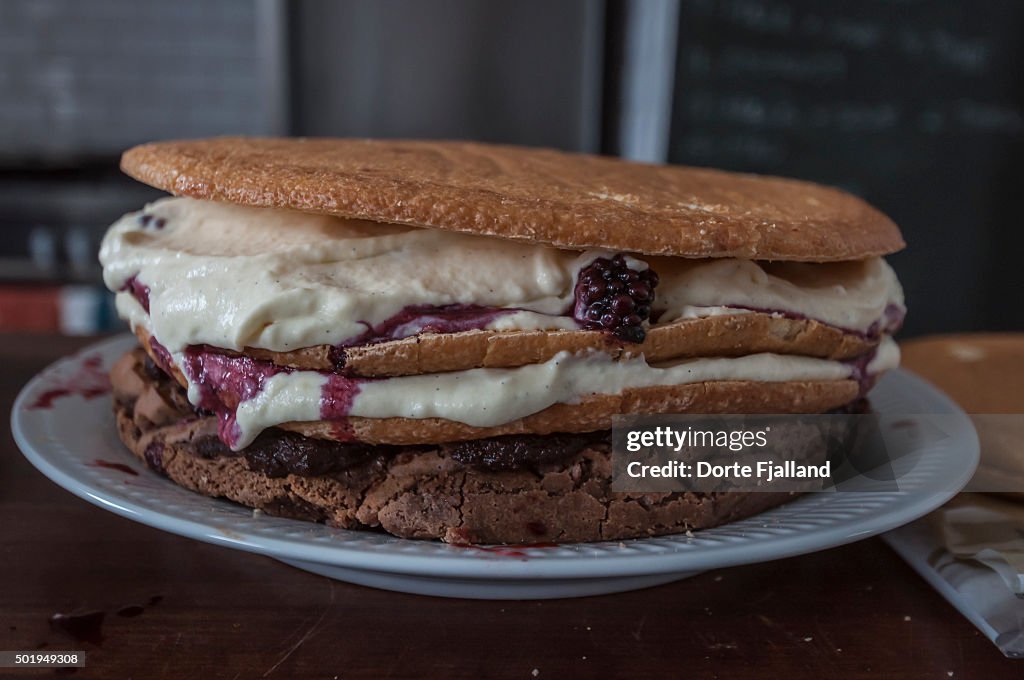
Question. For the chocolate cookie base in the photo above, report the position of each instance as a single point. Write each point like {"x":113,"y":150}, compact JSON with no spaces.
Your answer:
{"x":427,"y":492}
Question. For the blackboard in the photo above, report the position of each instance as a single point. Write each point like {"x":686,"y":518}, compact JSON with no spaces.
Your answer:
{"x":916,"y":105}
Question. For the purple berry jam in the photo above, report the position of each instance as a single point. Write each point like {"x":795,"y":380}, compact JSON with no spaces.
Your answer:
{"x":613,"y":298}
{"x":890,"y":323}
{"x":337,"y":394}
{"x":416,"y":319}
{"x":139,"y":291}
{"x":225,"y":381}
{"x":859,"y":371}
{"x":161,"y":356}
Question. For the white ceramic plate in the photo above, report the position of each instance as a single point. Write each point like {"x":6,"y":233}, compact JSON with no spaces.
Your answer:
{"x":67,"y":438}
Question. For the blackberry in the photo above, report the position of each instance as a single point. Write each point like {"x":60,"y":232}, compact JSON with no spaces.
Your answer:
{"x":614,"y":298}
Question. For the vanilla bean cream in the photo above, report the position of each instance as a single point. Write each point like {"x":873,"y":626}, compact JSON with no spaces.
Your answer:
{"x":233,"y":277}
{"x":251,"y":396}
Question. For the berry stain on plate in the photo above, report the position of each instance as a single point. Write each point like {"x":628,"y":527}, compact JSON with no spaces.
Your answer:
{"x":110,"y":465}
{"x":517,"y":550}
{"x":88,"y":382}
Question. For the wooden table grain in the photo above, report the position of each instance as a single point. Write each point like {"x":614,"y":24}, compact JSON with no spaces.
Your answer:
{"x":207,"y":612}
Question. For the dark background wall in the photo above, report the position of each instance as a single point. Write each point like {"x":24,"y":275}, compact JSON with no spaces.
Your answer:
{"x":525,"y":72}
{"x":916,"y":105}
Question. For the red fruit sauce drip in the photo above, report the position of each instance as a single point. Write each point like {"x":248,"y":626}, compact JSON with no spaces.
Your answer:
{"x":225,"y":381}
{"x":120,"y":467}
{"x":415,"y":319}
{"x":139,"y":291}
{"x":516,"y":550}
{"x":88,"y":382}
{"x":161,"y":356}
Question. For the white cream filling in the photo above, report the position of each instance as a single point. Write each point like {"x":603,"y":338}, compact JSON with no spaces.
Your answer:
{"x":236,"y":277}
{"x":486,"y":397}
{"x":887,"y":357}
{"x":849,"y":295}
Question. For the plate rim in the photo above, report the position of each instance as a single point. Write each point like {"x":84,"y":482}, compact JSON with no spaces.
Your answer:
{"x":467,"y":564}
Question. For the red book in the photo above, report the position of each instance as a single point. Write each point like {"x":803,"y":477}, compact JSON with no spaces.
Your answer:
{"x":30,"y":308}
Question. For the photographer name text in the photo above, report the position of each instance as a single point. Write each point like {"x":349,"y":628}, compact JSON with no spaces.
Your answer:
{"x":761,"y":470}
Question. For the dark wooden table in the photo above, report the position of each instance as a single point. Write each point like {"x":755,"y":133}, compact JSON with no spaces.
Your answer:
{"x":853,"y":612}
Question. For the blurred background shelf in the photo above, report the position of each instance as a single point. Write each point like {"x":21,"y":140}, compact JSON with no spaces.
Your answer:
{"x":917,"y":106}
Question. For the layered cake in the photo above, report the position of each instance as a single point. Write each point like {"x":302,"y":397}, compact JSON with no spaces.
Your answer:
{"x":431,"y":338}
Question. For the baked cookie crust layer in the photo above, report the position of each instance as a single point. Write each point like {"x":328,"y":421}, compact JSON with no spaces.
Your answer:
{"x":713,"y":336}
{"x":542,"y":196}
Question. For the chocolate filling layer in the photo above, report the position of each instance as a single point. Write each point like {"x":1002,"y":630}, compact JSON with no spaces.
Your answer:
{"x":278,"y":453}
{"x":513,"y":452}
